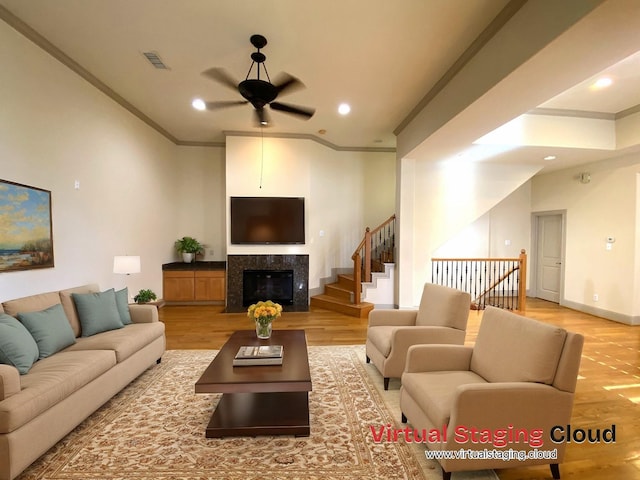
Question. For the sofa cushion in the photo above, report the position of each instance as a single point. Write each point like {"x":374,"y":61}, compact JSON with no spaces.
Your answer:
{"x":49,"y":381}
{"x":17,"y":346}
{"x":49,"y":328}
{"x":70,"y":306}
{"x":125,"y":341}
{"x":434,"y":391}
{"x":98,"y":312}
{"x":513,"y":348}
{"x":33,"y":303}
{"x":122,"y":301}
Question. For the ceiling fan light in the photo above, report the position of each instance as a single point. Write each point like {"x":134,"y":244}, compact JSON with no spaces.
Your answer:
{"x":199,"y":104}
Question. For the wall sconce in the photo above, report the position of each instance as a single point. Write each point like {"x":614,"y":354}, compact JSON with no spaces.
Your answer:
{"x":126,"y":264}
{"x":585,"y":177}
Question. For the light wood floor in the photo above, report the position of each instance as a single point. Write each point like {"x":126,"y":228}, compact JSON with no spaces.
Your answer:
{"x":608,"y":391}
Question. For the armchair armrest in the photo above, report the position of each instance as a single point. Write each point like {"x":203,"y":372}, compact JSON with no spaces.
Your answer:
{"x":9,"y":381}
{"x":522,"y":404}
{"x":143,"y":313}
{"x":391,"y":317}
{"x":436,"y":358}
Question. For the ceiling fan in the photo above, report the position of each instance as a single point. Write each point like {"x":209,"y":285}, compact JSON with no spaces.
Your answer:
{"x":259,"y":92}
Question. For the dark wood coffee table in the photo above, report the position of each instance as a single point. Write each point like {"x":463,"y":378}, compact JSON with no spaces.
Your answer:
{"x":260,"y":400}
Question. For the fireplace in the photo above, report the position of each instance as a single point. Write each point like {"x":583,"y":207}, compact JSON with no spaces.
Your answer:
{"x":277,"y":274}
{"x":276,"y":285}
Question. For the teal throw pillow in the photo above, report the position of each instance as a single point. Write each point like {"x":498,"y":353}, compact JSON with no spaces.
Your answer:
{"x":50,"y":329}
{"x":17,"y":346}
{"x":122,"y":301}
{"x":98,"y":312}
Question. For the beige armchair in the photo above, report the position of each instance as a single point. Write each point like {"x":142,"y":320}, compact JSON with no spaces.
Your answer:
{"x":441,"y":318}
{"x":503,"y":396}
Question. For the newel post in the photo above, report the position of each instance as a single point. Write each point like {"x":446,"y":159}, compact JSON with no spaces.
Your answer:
{"x":357,"y":278}
{"x":522,"y":284}
{"x":367,"y":255}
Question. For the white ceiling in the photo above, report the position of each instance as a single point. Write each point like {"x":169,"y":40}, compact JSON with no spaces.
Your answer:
{"x":381,"y":57}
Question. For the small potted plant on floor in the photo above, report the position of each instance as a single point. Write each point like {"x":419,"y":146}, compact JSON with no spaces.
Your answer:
{"x":145,"y":296}
{"x":189,"y":247}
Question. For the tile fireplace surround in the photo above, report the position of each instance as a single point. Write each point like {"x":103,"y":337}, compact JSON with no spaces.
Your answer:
{"x":236,"y":264}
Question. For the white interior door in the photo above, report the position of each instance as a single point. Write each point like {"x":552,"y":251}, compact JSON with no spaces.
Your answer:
{"x":549,"y":257}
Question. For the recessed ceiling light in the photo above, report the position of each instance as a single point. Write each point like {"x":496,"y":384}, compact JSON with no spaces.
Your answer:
{"x":344,"y":108}
{"x":603,"y":82}
{"x":550,"y":157}
{"x":199,"y":104}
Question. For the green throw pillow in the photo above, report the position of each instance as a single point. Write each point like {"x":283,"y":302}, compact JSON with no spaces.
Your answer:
{"x":50,"y":329}
{"x":98,"y":312}
{"x":122,"y":301}
{"x":17,"y":346}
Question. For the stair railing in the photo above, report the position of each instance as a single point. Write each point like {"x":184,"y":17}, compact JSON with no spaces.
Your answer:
{"x":376,"y":248}
{"x":499,"y":282}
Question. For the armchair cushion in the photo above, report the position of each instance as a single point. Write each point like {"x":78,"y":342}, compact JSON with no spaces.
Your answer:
{"x":381,"y":337}
{"x":516,"y":349}
{"x":442,"y":306}
{"x":434,"y":392}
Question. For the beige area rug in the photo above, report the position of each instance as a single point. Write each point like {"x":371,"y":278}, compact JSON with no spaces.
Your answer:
{"x":154,"y":430}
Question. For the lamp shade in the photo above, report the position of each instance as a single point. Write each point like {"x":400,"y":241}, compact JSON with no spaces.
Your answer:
{"x":126,"y":264}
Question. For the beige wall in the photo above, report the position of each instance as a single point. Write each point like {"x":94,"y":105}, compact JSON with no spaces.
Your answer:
{"x":607,"y":206}
{"x":55,"y":129}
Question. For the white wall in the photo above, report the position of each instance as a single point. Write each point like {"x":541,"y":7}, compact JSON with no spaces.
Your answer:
{"x":607,"y":206}
{"x":335,"y":184}
{"x":441,"y":200}
{"x":55,"y":128}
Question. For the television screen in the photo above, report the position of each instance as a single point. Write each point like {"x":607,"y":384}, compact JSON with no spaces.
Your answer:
{"x":267,"y":220}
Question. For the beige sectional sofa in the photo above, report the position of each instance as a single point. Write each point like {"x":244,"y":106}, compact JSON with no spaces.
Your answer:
{"x":41,"y":406}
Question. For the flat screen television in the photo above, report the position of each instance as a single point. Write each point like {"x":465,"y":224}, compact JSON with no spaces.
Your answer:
{"x":267,"y":220}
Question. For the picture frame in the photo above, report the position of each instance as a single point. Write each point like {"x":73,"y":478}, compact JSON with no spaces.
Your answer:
{"x":26,"y":233}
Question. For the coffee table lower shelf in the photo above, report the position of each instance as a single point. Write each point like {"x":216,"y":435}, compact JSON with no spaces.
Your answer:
{"x":252,"y":414}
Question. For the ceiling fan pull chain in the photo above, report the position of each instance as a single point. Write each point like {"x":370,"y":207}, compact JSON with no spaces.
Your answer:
{"x":261,"y":155}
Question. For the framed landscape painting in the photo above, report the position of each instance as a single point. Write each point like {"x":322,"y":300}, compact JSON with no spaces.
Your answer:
{"x":26,"y":235}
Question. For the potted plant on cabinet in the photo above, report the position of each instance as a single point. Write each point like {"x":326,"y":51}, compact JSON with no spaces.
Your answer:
{"x":189,"y":247}
{"x":145,"y":296}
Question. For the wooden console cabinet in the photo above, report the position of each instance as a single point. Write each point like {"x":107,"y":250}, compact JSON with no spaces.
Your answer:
{"x":193,"y":283}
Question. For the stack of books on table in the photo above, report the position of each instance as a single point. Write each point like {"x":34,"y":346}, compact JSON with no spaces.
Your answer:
{"x":258,"y":355}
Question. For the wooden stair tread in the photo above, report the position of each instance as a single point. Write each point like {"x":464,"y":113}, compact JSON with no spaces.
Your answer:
{"x":331,"y":302}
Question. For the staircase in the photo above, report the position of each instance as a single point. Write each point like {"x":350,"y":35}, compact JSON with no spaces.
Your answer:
{"x":344,"y":295}
{"x":338,"y":297}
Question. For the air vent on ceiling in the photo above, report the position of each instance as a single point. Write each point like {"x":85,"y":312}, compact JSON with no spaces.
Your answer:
{"x":155,"y":60}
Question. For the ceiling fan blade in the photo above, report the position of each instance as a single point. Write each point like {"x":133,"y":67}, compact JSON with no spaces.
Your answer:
{"x":220,"y":75}
{"x":262,"y":117}
{"x":305,"y":112}
{"x":224,"y":104}
{"x":286,"y":83}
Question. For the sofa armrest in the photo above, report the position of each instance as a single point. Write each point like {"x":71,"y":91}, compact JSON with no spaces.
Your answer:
{"x":9,"y":381}
{"x":143,"y":313}
{"x":437,"y":358}
{"x":391,"y":317}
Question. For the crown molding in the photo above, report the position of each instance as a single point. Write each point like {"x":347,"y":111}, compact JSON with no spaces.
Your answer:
{"x":308,"y":136}
{"x":627,"y":112}
{"x":558,"y":112}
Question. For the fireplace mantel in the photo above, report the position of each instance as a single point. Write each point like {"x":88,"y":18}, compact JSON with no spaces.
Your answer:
{"x":237,"y":264}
